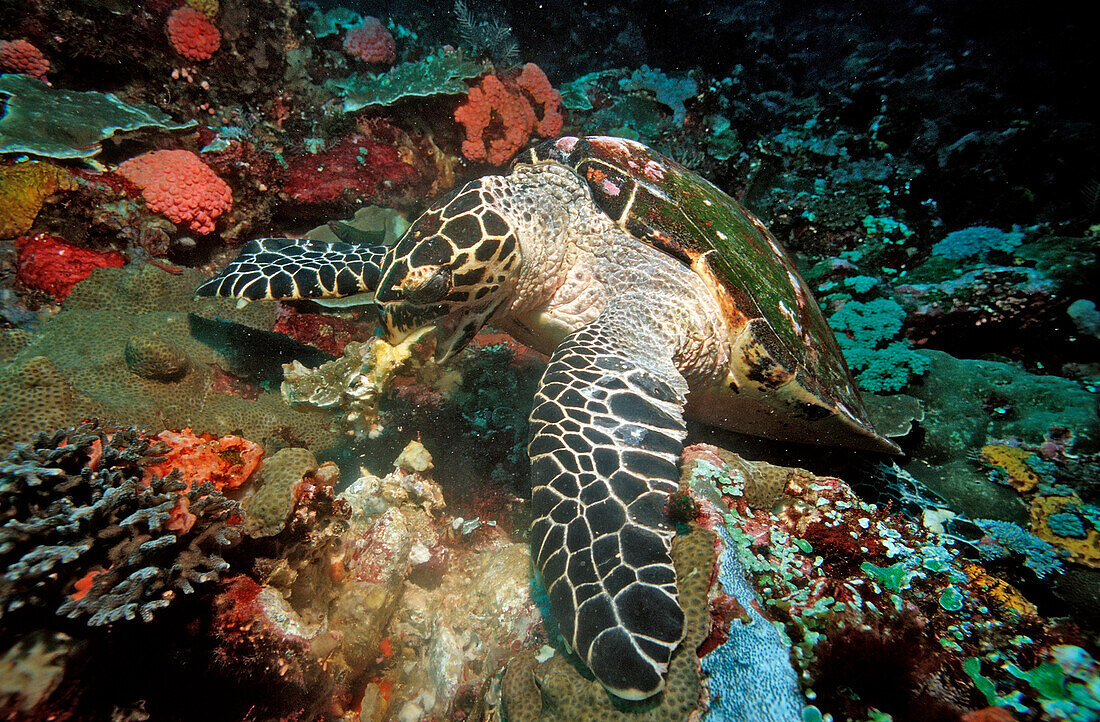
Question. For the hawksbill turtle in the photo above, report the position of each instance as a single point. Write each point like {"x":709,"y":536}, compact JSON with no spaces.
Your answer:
{"x":656,"y":295}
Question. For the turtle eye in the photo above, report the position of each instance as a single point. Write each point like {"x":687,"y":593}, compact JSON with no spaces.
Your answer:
{"x":426,"y":284}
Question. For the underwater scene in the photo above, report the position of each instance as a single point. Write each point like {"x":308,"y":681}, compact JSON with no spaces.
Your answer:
{"x":501,"y":361}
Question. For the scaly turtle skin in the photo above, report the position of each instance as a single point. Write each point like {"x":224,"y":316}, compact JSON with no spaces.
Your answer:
{"x":656,"y":294}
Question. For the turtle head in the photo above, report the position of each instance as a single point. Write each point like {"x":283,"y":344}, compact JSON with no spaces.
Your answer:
{"x":452,"y":269}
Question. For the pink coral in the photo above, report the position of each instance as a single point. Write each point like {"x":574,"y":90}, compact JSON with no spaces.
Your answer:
{"x":371,"y":42}
{"x":19,"y":56}
{"x":176,"y":184}
{"x":499,"y":115}
{"x":192,"y":34}
{"x":49,"y":264}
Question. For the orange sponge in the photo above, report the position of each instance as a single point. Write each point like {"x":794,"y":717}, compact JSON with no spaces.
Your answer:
{"x":500,"y":114}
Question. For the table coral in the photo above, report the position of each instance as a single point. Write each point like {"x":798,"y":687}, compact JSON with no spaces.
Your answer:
{"x":499,"y":114}
{"x":442,"y":73}
{"x":177,"y":184}
{"x":23,"y":188}
{"x":20,"y":56}
{"x":192,"y":34}
{"x":82,"y":535}
{"x":47,"y":263}
{"x":371,"y":42}
{"x":53,"y":123}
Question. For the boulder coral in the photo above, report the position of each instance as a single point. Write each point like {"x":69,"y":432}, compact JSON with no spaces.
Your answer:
{"x":371,"y":42}
{"x":19,"y":56}
{"x":192,"y":34}
{"x":77,"y":367}
{"x":178,"y":185}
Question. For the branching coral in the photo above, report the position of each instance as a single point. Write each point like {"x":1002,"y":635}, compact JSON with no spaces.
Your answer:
{"x":83,"y":535}
{"x":866,"y":334}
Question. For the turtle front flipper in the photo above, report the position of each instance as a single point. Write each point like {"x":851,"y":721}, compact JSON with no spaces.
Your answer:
{"x":607,"y":432}
{"x":297,"y":268}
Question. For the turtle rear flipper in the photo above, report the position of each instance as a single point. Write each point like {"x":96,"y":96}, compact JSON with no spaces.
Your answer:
{"x":297,"y":268}
{"x":607,"y":431}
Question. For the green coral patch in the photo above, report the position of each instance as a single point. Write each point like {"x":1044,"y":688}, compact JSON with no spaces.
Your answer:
{"x":52,"y":123}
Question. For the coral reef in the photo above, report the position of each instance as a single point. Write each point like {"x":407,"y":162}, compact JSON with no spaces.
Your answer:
{"x":225,"y":462}
{"x":500,"y":114}
{"x":875,"y":605}
{"x":357,"y":381}
{"x":178,"y":185}
{"x":77,"y":366}
{"x":357,"y":167}
{"x":24,"y":187}
{"x":553,"y":689}
{"x":79,"y":121}
{"x":51,"y":265}
{"x":933,"y":176}
{"x":267,"y":508}
{"x":87,"y":535}
{"x":867,"y":335}
{"x":441,"y":73}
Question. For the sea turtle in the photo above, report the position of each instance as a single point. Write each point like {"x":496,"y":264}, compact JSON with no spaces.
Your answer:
{"x":657,"y":295}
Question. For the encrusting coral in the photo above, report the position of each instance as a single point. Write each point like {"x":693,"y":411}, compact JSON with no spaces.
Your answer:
{"x":84,"y":534}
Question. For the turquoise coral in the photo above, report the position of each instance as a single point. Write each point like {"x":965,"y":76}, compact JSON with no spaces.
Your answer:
{"x":977,"y":241}
{"x":866,"y":334}
{"x":669,"y":91}
{"x":53,"y":123}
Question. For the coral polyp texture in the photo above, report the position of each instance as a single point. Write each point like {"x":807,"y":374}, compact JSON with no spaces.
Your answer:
{"x":178,"y":185}
{"x":371,"y":42}
{"x":20,"y":56}
{"x":192,"y":33}
{"x":87,"y":535}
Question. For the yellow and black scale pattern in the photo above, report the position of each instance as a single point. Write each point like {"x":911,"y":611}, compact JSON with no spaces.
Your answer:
{"x":297,"y":268}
